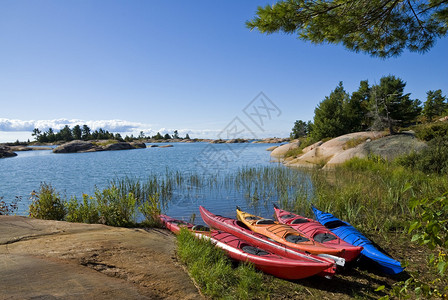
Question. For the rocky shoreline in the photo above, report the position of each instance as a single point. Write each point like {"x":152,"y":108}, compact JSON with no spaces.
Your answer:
{"x":79,"y":146}
{"x":340,"y":149}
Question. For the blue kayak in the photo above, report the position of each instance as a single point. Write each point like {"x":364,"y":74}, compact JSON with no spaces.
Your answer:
{"x":348,"y":233}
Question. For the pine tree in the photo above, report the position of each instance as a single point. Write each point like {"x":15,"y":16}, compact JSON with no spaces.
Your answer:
{"x":435,"y":105}
{"x":380,"y":28}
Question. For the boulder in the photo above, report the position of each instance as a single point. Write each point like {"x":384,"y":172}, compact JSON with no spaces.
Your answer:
{"x":166,"y":146}
{"x":153,"y":146}
{"x":280,"y":151}
{"x":74,"y":146}
{"x":6,"y":152}
{"x":390,"y":147}
{"x":234,"y":141}
{"x":271,"y":148}
{"x":138,"y":145}
{"x":119,"y":146}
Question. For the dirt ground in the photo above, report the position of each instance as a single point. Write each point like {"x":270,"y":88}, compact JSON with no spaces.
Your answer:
{"x":57,"y":260}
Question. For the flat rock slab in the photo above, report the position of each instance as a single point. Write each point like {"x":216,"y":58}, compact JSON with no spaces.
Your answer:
{"x":58,"y":260}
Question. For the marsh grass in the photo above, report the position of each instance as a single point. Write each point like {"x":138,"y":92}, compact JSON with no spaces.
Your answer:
{"x":213,"y":271}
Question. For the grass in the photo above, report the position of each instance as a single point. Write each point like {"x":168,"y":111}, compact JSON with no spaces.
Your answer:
{"x":214,"y":273}
{"x":352,"y":143}
{"x":372,"y":194}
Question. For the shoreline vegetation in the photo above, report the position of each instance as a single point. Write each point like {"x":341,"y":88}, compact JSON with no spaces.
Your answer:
{"x":386,"y":200}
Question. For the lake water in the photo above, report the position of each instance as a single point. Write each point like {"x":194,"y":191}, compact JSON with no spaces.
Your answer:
{"x":78,"y":173}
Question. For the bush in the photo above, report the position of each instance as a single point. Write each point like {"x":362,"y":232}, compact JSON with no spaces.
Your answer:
{"x":47,"y":204}
{"x":431,"y":131}
{"x":151,"y":210}
{"x":433,"y":159}
{"x":116,"y":209}
{"x":85,"y":212}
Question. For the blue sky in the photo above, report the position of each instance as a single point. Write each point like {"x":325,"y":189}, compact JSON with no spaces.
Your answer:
{"x":160,"y":65}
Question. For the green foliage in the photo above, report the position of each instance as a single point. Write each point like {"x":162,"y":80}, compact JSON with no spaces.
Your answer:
{"x":47,"y":204}
{"x":390,"y":106}
{"x":151,"y":210}
{"x":330,"y":117}
{"x":380,"y":28}
{"x":158,"y":136}
{"x":432,"y":159}
{"x":82,"y":212}
{"x":300,"y":129}
{"x":212,"y":270}
{"x":116,"y":209}
{"x":427,"y":132}
{"x":435,"y":105}
{"x":66,"y":134}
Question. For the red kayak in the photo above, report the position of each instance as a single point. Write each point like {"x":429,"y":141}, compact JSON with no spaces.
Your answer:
{"x":241,"y":250}
{"x":326,"y":266}
{"x":316,"y":231}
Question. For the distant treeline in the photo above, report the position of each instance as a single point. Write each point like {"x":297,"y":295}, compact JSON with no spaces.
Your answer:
{"x":78,"y":132}
{"x":371,"y":107}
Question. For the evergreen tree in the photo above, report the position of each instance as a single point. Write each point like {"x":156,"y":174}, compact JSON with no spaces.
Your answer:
{"x":51,"y":136}
{"x":85,"y":132}
{"x":167,"y":137}
{"x":36,"y":133}
{"x":300,"y":129}
{"x":435,"y":105}
{"x":175,"y":135}
{"x":187,"y":137}
{"x":357,"y":109}
{"x":329,"y":115}
{"x":380,"y":28}
{"x":65,"y":134}
{"x":158,"y":136}
{"x":390,"y":106}
{"x":77,"y":132}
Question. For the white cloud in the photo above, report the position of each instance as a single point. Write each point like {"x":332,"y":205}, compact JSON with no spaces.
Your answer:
{"x":9,"y":125}
{"x":12,"y":129}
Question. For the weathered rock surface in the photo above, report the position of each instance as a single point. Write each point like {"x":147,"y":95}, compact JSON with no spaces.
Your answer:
{"x":86,"y":146}
{"x":280,"y":151}
{"x":358,"y":144}
{"x":74,"y":146}
{"x":6,"y":152}
{"x":138,"y":145}
{"x":166,"y":146}
{"x":59,"y":260}
{"x":118,"y":146}
{"x":271,"y":148}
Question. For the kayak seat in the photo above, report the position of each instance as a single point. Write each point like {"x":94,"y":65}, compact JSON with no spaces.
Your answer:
{"x":200,"y":228}
{"x":293,"y":238}
{"x":324,"y":237}
{"x":299,"y":221}
{"x":265,"y":222}
{"x":334,"y":224}
{"x":254,"y":250}
{"x":287,"y":216}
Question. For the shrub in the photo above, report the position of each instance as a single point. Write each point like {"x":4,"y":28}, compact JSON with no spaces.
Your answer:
{"x":428,"y":132}
{"x":433,"y":159}
{"x":151,"y":210}
{"x":85,"y":212}
{"x":115,"y":208}
{"x":47,"y":204}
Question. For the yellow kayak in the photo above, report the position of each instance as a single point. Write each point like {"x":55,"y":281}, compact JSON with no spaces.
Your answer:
{"x":284,"y":234}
